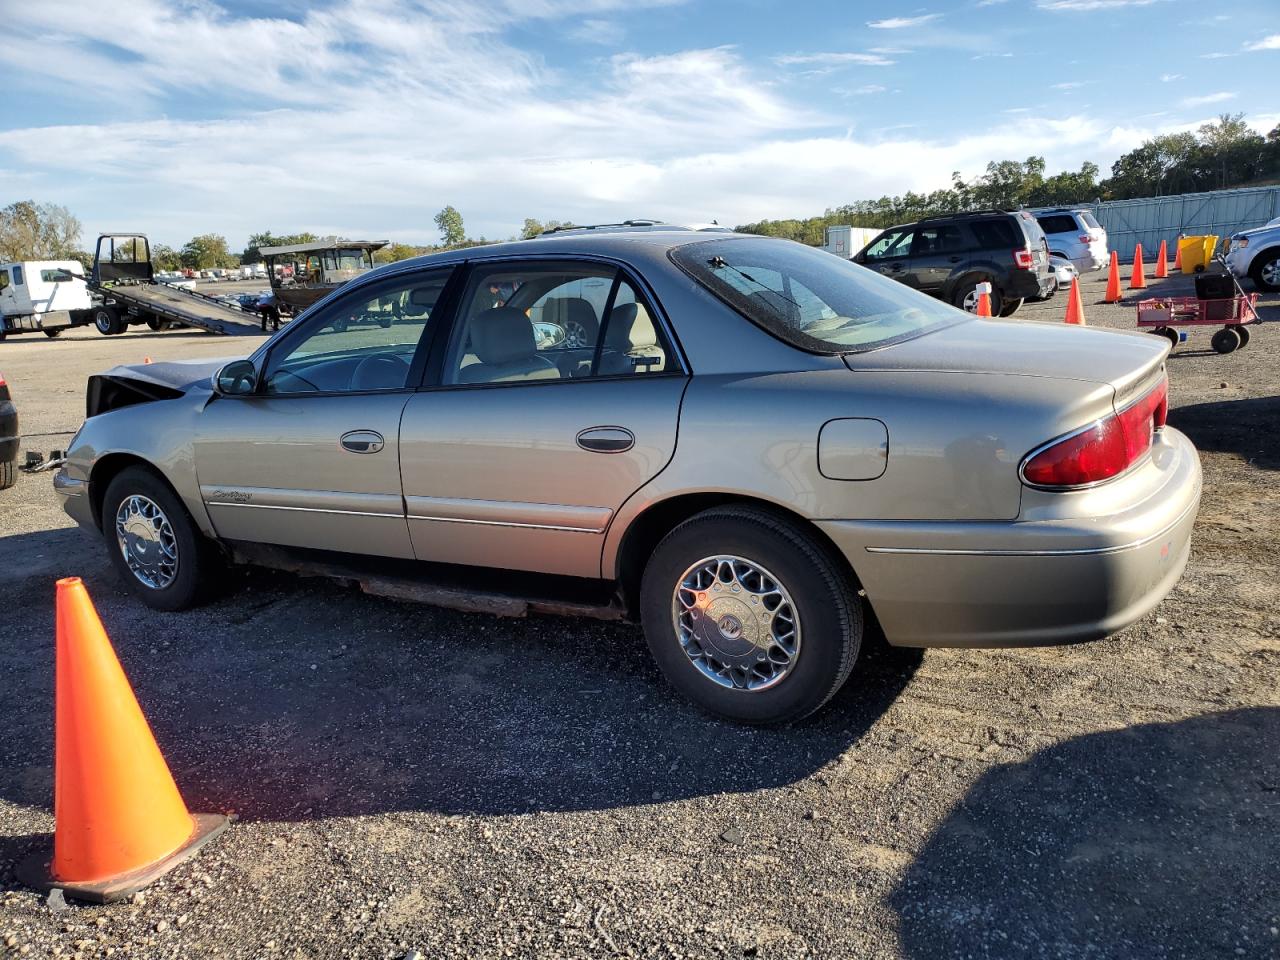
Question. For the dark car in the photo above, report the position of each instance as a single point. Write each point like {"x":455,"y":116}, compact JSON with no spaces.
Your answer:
{"x":947,"y":257}
{"x":8,"y":437}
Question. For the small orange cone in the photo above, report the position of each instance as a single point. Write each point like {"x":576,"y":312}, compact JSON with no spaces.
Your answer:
{"x":1075,"y":306}
{"x":120,"y":821}
{"x":1113,"y":280}
{"x":1177,"y":254}
{"x":146,"y":359}
{"x":1137,"y":281}
{"x":1162,"y":262}
{"x":984,"y":300}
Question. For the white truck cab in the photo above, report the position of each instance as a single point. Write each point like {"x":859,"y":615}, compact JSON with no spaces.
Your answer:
{"x":42,"y":295}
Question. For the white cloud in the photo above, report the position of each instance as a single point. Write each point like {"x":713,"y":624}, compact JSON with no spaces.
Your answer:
{"x":1266,"y":43}
{"x":1215,"y":56}
{"x":1085,"y":5}
{"x":833,"y":59}
{"x":1170,"y":77}
{"x":1207,"y":99}
{"x":1069,"y":85}
{"x":605,"y":32}
{"x":869,"y":88}
{"x":899,"y":23}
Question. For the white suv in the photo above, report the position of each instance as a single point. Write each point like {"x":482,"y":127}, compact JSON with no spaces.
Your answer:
{"x":1256,"y":254}
{"x":1076,"y":236}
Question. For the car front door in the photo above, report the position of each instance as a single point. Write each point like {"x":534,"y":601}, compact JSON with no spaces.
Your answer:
{"x":531,"y":439}
{"x":311,"y":457}
{"x":890,"y":254}
{"x":937,"y":253}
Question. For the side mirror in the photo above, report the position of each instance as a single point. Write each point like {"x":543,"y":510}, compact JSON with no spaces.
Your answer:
{"x":239,"y":378}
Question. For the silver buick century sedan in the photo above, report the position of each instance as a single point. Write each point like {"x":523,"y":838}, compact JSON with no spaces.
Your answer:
{"x":747,"y":445}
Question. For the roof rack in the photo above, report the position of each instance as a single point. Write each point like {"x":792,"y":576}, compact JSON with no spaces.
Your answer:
{"x":642,"y":224}
{"x":965,"y":213}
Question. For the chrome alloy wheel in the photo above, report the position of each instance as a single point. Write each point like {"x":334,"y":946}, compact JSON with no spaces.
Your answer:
{"x":147,"y":542}
{"x":575,"y":335}
{"x":736,"y":622}
{"x":1270,"y":273}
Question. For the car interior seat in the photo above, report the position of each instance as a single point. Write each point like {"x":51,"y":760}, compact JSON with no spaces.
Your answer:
{"x":631,"y":339}
{"x":575,"y":316}
{"x":503,"y":343}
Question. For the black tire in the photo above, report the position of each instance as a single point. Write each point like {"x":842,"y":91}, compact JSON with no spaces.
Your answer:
{"x":997,"y":302}
{"x":1268,"y":260}
{"x":1243,"y":333}
{"x":107,"y":320}
{"x":1169,"y":334}
{"x":199,"y":567}
{"x":53,"y":334}
{"x":158,"y":324}
{"x":823,"y":598}
{"x":339,"y":325}
{"x":1226,"y":340}
{"x":8,"y":474}
{"x":1010,"y":308}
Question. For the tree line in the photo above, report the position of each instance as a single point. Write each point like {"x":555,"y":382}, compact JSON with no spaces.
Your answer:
{"x":1222,"y":154}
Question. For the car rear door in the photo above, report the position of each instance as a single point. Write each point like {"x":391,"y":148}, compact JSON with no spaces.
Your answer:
{"x":312,"y":458}
{"x":528,"y":441}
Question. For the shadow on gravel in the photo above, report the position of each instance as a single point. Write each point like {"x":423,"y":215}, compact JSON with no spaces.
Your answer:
{"x":294,"y":699}
{"x":1249,"y":428}
{"x":1160,"y":840}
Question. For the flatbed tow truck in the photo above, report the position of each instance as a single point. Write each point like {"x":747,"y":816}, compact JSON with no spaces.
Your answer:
{"x":126,"y":292}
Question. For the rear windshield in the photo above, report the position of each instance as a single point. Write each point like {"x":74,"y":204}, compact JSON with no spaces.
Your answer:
{"x":1089,"y":219}
{"x":811,"y":299}
{"x":996,"y":233}
{"x":1058,"y":223}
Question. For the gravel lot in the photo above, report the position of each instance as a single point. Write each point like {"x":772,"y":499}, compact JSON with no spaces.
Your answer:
{"x":412,"y":778}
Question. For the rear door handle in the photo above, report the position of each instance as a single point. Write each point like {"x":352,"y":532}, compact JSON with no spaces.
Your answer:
{"x":606,"y":439}
{"x":362,"y":441}
{"x":955,"y":259}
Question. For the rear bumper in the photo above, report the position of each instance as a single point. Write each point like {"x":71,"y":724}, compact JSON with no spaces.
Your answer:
{"x":1090,"y":262}
{"x":1028,"y":284}
{"x":1028,"y":583}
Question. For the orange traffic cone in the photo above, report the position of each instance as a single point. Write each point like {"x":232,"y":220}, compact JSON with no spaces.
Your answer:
{"x":1162,"y":262}
{"x":1137,"y":281}
{"x":1177,"y":254}
{"x":120,"y":822}
{"x":984,"y":300}
{"x":1075,"y":305}
{"x":1113,"y":280}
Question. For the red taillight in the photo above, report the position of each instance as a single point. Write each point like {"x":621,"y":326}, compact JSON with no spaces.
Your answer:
{"x":2,"y":383}
{"x":1022,"y":259}
{"x":1104,"y":449}
{"x":1086,"y":238}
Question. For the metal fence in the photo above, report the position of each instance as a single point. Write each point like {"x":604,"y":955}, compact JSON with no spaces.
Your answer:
{"x":1152,"y":219}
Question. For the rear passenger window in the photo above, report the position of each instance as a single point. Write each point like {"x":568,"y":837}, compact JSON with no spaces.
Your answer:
{"x":946,"y":238}
{"x":996,"y":233}
{"x":17,"y":276}
{"x":553,"y":321}
{"x":1058,"y":223}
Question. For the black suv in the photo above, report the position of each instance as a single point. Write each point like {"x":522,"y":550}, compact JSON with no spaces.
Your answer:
{"x":949,"y":256}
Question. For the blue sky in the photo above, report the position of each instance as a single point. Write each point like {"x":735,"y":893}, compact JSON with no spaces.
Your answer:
{"x":366,"y":117}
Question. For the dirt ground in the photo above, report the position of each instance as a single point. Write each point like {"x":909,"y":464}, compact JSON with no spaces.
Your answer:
{"x":408,"y":778}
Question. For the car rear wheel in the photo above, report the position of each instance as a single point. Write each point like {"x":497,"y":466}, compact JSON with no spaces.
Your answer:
{"x":1265,"y":271}
{"x":107,"y":320}
{"x":54,"y":333}
{"x":1010,"y":308}
{"x":154,"y":544}
{"x":8,"y":474}
{"x":967,"y":299}
{"x":749,"y":616}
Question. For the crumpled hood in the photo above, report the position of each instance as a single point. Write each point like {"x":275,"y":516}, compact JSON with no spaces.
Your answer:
{"x":177,"y":374}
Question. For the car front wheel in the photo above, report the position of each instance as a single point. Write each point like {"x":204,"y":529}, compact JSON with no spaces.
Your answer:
{"x":749,"y":616}
{"x":154,"y":545}
{"x":1265,"y":271}
{"x":107,"y":320}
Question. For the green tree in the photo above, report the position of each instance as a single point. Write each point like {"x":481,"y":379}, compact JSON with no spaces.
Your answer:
{"x":449,"y":222}
{"x":399,"y":251}
{"x":164,"y":257}
{"x":531,"y":228}
{"x":269,"y":239}
{"x":207,"y":251}
{"x":38,"y":231}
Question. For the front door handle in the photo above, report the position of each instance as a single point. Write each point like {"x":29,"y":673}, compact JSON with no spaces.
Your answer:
{"x":606,"y":439}
{"x":955,"y":259}
{"x":362,"y":441}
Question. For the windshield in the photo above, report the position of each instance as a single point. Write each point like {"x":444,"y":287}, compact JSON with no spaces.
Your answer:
{"x":811,"y":299}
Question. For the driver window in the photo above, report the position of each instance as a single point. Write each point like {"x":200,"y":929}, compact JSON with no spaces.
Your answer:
{"x":895,"y":243}
{"x":360,"y":344}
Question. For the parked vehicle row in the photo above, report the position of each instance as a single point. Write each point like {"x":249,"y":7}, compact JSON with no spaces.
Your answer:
{"x":744,"y":437}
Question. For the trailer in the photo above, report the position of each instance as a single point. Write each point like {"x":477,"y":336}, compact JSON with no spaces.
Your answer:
{"x":124,"y":281}
{"x":42,"y":296}
{"x":302,"y":273}
{"x":846,"y":241}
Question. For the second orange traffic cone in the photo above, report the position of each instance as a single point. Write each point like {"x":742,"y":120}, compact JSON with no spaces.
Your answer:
{"x":1113,"y":280}
{"x":120,"y":821}
{"x":1162,"y":262}
{"x":1075,"y":305}
{"x":1137,"y":281}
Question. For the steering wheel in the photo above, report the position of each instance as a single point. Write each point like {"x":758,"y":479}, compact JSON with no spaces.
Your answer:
{"x":382,"y":371}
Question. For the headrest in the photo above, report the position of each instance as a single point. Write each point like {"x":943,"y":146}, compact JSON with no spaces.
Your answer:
{"x":630,"y":328}
{"x":424,"y":296}
{"x":501,"y":335}
{"x":572,"y":308}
